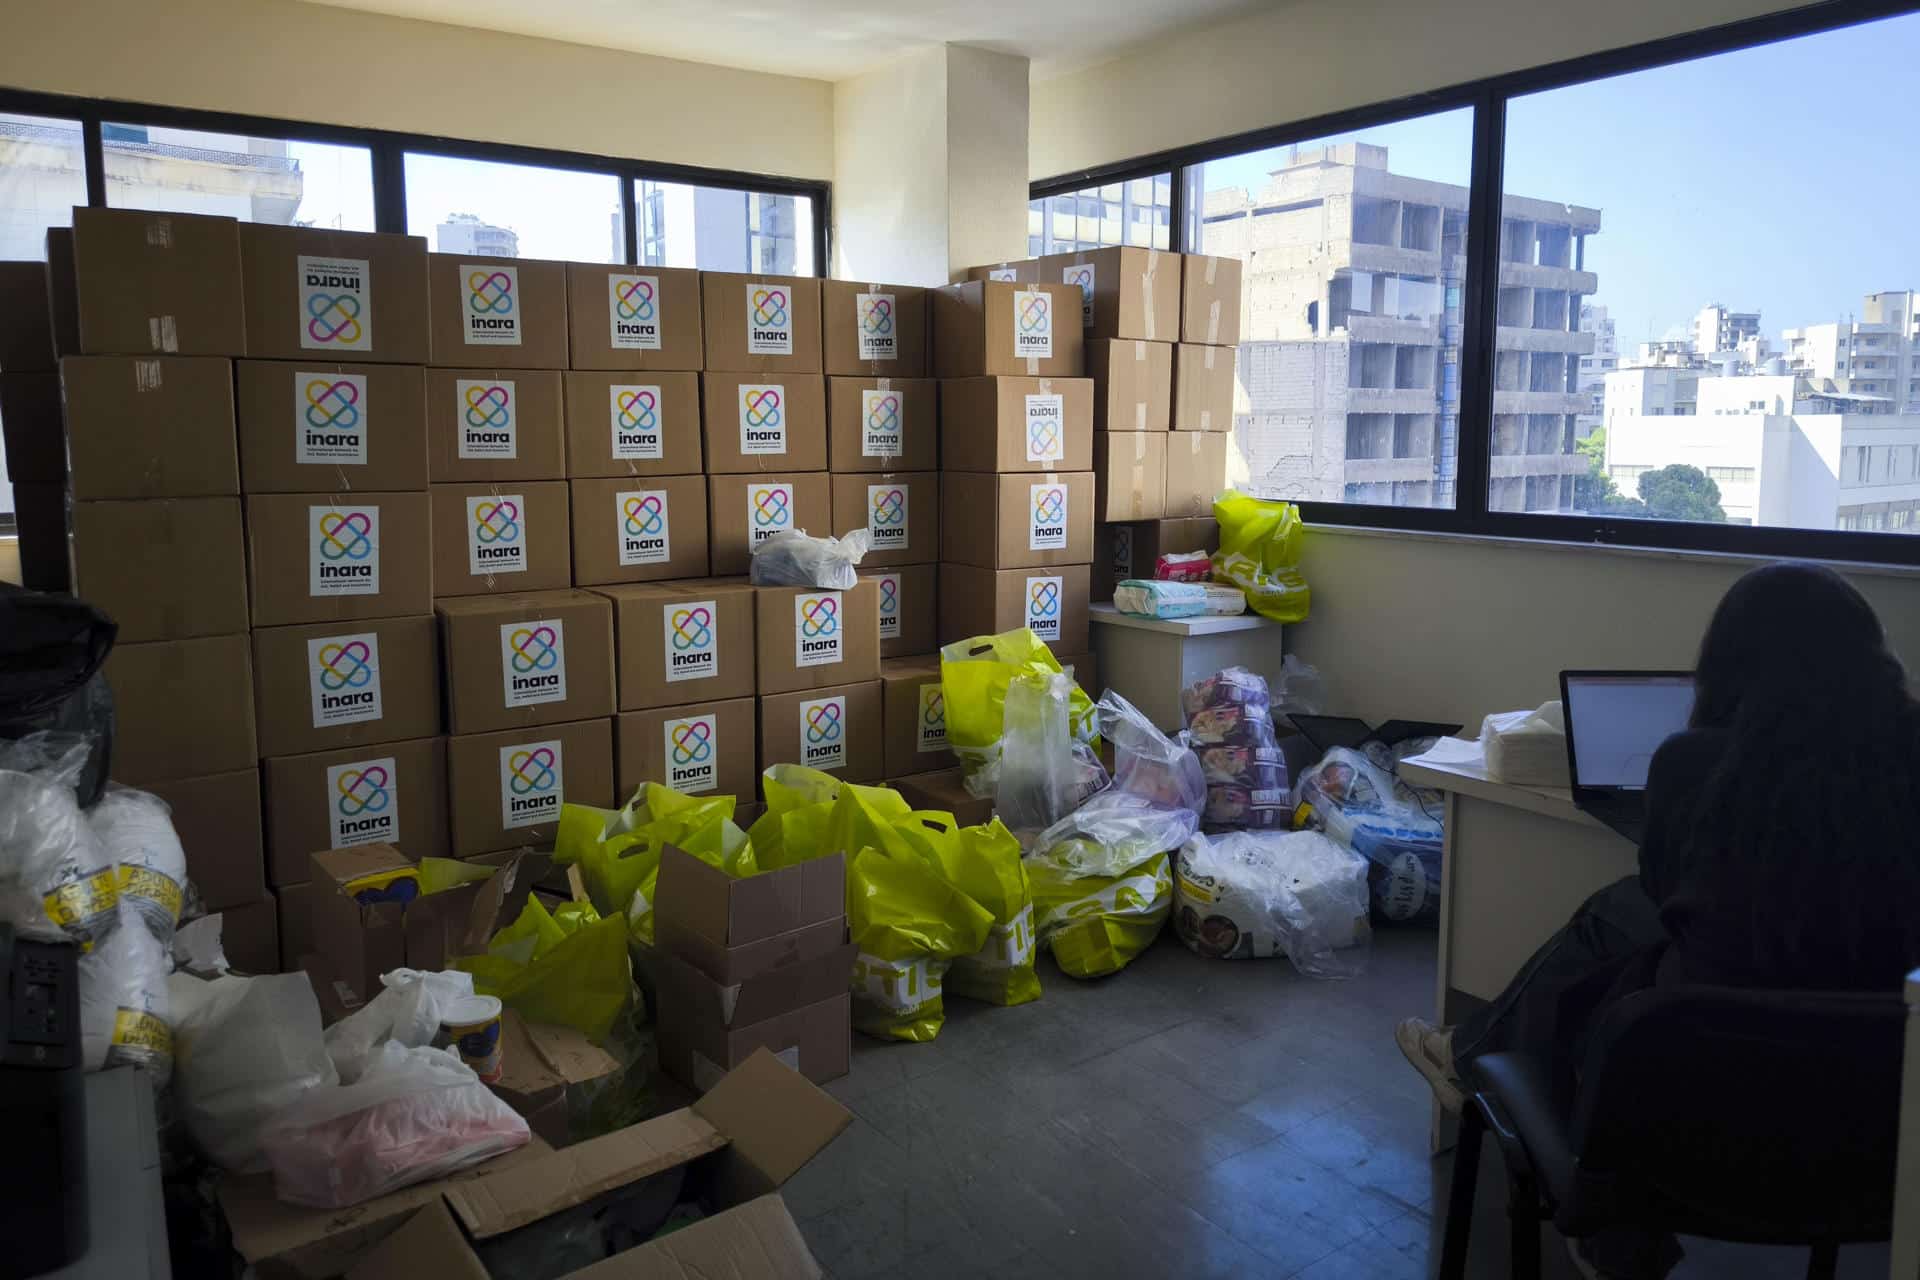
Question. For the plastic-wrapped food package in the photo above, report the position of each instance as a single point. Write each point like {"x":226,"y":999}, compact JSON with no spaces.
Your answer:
{"x":1183,"y":566}
{"x":1154,"y":599}
{"x":1250,"y":894}
{"x":1229,"y":727}
{"x":135,"y":830}
{"x":1364,"y":806}
{"x":792,"y":558}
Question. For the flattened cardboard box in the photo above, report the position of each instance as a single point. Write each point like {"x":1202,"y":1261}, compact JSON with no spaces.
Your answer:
{"x":320,"y":427}
{"x":639,"y":529}
{"x":986,"y":327}
{"x":503,"y":313}
{"x":32,"y":428}
{"x":1124,"y":292}
{"x":153,"y":427}
{"x":914,"y":715}
{"x":182,"y":708}
{"x":634,"y":317}
{"x":157,"y":283}
{"x":383,"y":793}
{"x":683,"y":641}
{"x":699,"y":747}
{"x":1196,"y":473}
{"x":26,"y":340}
{"x":502,"y":536}
{"x":907,"y":595}
{"x":164,"y":569}
{"x":1203,"y":387}
{"x":317,"y":687}
{"x":217,"y":818}
{"x":619,"y":425}
{"x":1125,"y":551}
{"x":495,"y":424}
{"x":882,"y":424}
{"x":504,"y":789}
{"x":1016,"y":521}
{"x":836,"y":729}
{"x":874,"y":330}
{"x":763,"y":423}
{"x":945,"y":791}
{"x":1052,"y":603}
{"x":531,"y":658}
{"x":1129,"y":475}
{"x":812,"y":637}
{"x":339,"y":295}
{"x":900,"y":512}
{"x":1210,"y":300}
{"x":1132,"y":384}
{"x":1016,"y":424}
{"x":744,"y":511}
{"x":326,"y":558}
{"x":761,"y":323}
{"x":250,"y":935}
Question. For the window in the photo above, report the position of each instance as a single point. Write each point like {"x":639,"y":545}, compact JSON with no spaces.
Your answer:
{"x":722,"y":229}
{"x":1737,"y":475}
{"x":1136,"y":212}
{"x":308,"y":184}
{"x":500,"y":210}
{"x":42,"y":176}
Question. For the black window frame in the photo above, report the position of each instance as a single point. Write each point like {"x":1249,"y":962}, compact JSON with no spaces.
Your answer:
{"x":1488,"y":100}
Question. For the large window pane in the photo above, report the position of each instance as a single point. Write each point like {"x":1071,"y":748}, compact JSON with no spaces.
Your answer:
{"x":42,"y":176}
{"x":718,"y":229}
{"x":1137,"y":212}
{"x":514,"y":210}
{"x":1355,"y":254}
{"x":1737,"y":340}
{"x":307,"y":184}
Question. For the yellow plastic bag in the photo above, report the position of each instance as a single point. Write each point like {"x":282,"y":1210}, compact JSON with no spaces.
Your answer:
{"x":1096,"y":925}
{"x":568,"y":967}
{"x":973,"y":677}
{"x":812,"y":814}
{"x":618,"y":850}
{"x":1260,"y":553}
{"x":909,"y":924}
{"x":984,"y":863}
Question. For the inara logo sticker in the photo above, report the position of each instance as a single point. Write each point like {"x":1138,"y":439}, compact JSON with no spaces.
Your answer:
{"x":343,"y":551}
{"x":488,"y":412}
{"x":769,"y":510}
{"x":633,"y":313}
{"x":881,"y":423}
{"x":343,"y":679}
{"x":497,"y":534}
{"x":769,"y":319}
{"x":1005,"y":275}
{"x":763,"y":418}
{"x":1043,"y":606}
{"x":874,"y":319}
{"x":363,"y":802}
{"x":1121,"y":560}
{"x":642,"y":517}
{"x":1046,"y":429}
{"x":1032,"y":324}
{"x":889,"y":587}
{"x":816,"y":628}
{"x":533,"y":662}
{"x":1081,"y":275}
{"x":823,"y":733}
{"x":930,"y":728}
{"x":336,"y":304}
{"x":887,"y":516}
{"x":532,"y":780}
{"x":330,"y":418}
{"x":692,"y":748}
{"x":490,"y":305}
{"x":691,"y":643}
{"x":1046,"y":517}
{"x":633,"y":413}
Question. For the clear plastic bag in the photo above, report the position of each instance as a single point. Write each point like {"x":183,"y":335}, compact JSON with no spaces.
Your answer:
{"x":1041,"y":779}
{"x":245,"y":1048}
{"x":793,"y":558}
{"x":1147,"y":763}
{"x":407,"y":1012}
{"x":1248,"y":894}
{"x":1364,"y":806}
{"x":1299,"y":688}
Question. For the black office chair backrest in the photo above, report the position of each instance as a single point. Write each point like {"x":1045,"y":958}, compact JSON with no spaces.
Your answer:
{"x":1744,"y":1115}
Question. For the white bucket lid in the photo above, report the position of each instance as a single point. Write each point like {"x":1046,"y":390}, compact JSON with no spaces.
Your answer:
{"x":469,"y":1010}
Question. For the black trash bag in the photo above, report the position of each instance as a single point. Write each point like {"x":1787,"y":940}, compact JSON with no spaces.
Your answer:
{"x":51,"y":651}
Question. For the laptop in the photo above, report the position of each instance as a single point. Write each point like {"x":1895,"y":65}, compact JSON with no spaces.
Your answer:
{"x":1616,"y":720}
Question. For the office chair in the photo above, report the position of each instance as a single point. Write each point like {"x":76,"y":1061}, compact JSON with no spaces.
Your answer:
{"x":1759,"y":1117}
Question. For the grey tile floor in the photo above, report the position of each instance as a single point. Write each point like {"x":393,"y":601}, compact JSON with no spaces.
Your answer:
{"x":1185,"y":1117}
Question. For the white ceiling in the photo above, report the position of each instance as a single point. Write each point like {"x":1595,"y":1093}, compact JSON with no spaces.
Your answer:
{"x":830,"y":39}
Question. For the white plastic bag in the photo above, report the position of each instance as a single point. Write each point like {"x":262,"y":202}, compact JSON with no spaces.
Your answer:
{"x":407,"y":1012}
{"x":245,"y":1048}
{"x":1247,"y":894}
{"x":56,"y":881}
{"x":792,"y":558}
{"x":136,"y":832}
{"x":124,"y":1019}
{"x":1041,"y":777}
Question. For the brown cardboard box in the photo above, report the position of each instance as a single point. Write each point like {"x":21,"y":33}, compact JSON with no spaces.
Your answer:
{"x":26,"y":340}
{"x":639,"y":529}
{"x":164,"y":569}
{"x":698,"y":747}
{"x":1132,"y":384}
{"x":1125,"y":551}
{"x":250,"y":935}
{"x":217,"y":818}
{"x":900,"y":512}
{"x":538,"y":1063}
{"x":317,"y":686}
{"x":182,"y":708}
{"x":296,"y":925}
{"x":534,"y":657}
{"x":145,"y":427}
{"x":987,"y":327}
{"x":157,"y":283}
{"x":319,"y":558}
{"x":985,"y":602}
{"x":1129,"y":475}
{"x":913,"y":714}
{"x":345,"y":295}
{"x":810,"y":638}
{"x":1124,"y":292}
{"x":874,"y":330}
{"x":40,"y":518}
{"x":31,"y":426}
{"x":678,"y":642}
{"x":1025,"y":270}
{"x":506,"y":536}
{"x":495,"y":424}
{"x":743,"y":511}
{"x":704,"y":1030}
{"x":500,"y":794}
{"x":318,"y":427}
{"x":882,"y":424}
{"x":946,"y":791}
{"x":762,"y":423}
{"x":63,"y":293}
{"x":503,"y":313}
{"x":1196,"y":473}
{"x":761,"y":324}
{"x":1210,"y":300}
{"x":1016,"y":424}
{"x":907,"y":596}
{"x":836,"y":729}
{"x":732,"y":929}
{"x":1017,"y":521}
{"x":359,"y":940}
{"x":618,"y":425}
{"x":385,"y":793}
{"x":1203,"y":388}
{"x":623,"y":317}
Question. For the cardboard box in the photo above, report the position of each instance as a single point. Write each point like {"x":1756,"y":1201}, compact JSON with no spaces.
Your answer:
{"x":217,"y":818}
{"x":988,"y":327}
{"x":318,"y":558}
{"x":1025,"y":270}
{"x":986,"y":602}
{"x":296,"y":925}
{"x":639,"y":529}
{"x":1132,"y":384}
{"x":679,"y":642}
{"x":539,"y":1061}
{"x":762,"y":423}
{"x":157,"y":283}
{"x":182,"y":709}
{"x":882,"y":424}
{"x":363,"y":928}
{"x":1210,"y":300}
{"x":1132,"y":550}
{"x":874,"y":330}
{"x":761,"y":324}
{"x":1016,"y":521}
{"x":250,"y":935}
{"x":1203,"y":381}
{"x":1124,"y":292}
{"x":504,"y":536}
{"x":32,"y":429}
{"x":945,"y":791}
{"x":1016,"y":424}
{"x":504,"y":789}
{"x":504,"y":313}
{"x":40,"y":520}
{"x":698,"y":747}
{"x":734,"y":929}
{"x":1196,"y":473}
{"x":164,"y":569}
{"x":810,"y":638}
{"x":625,"y":426}
{"x":153,"y":427}
{"x":899,"y":511}
{"x":744,"y":511}
{"x":317,"y":687}
{"x":344,"y":295}
{"x":391,"y":793}
{"x":495,"y":424}
{"x":621,"y":317}
{"x":836,"y":729}
{"x":530,"y":658}
{"x":319,"y":427}
{"x":913,"y":712}
{"x":907,"y":597}
{"x":706,"y":1029}
{"x":1129,"y":475}
{"x":26,"y":340}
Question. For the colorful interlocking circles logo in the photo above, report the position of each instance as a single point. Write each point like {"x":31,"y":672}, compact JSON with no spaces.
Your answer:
{"x":345,"y":666}
{"x":692,"y":628}
{"x":693,"y":742}
{"x":333,"y":318}
{"x":1049,"y":505}
{"x":346,"y":537}
{"x":760,"y":406}
{"x":362,"y":791}
{"x":823,"y":722}
{"x":933,"y":710}
{"x":770,"y":308}
{"x":637,"y":410}
{"x":820,"y":616}
{"x":771,"y":505}
{"x":490,"y":293}
{"x":883,"y":414}
{"x":332,"y":405}
{"x":1043,"y":599}
{"x":889,"y":507}
{"x":644,"y":515}
{"x":1035,"y":314}
{"x":488,"y":407}
{"x":876,"y":315}
{"x":496,"y":522}
{"x":633,"y":299}
{"x":534,"y":649}
{"x":531,"y":771}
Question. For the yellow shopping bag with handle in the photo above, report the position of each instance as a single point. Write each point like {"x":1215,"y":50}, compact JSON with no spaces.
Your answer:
{"x":1260,"y":553}
{"x":974,"y":675}
{"x":618,"y":850}
{"x":1096,"y":925}
{"x":567,"y":966}
{"x":984,"y":863}
{"x":909,"y":924}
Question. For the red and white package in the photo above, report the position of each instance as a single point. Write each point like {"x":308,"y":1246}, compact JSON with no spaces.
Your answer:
{"x":1183,"y":566}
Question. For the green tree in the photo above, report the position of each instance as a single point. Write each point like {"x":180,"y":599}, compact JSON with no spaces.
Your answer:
{"x":1681,"y":492}
{"x":1595,"y":492}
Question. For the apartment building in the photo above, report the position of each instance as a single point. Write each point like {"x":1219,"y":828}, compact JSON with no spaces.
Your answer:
{"x":1876,"y":357}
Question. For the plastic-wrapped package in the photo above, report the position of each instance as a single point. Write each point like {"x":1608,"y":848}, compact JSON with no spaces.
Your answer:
{"x":1364,"y":806}
{"x":56,"y":880}
{"x":1183,"y":566}
{"x":135,"y":830}
{"x":1040,"y":777}
{"x":124,"y":1018}
{"x":408,"y":1011}
{"x":1231,"y":730}
{"x":1250,"y":894}
{"x":793,"y":558}
{"x":1154,"y":599}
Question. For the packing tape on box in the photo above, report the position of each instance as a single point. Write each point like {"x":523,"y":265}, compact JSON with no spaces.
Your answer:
{"x":160,"y":233}
{"x":163,"y":333}
{"x":1213,"y":326}
{"x":1211,"y":350}
{"x":1206,"y":420}
{"x":883,"y":384}
{"x":1046,"y":386}
{"x":1146,"y":291}
{"x":1213,"y":265}
{"x":1139,"y":415}
{"x":1033,"y":366}
{"x":148,"y":375}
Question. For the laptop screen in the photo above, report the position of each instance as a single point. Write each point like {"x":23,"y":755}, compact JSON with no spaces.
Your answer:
{"x":1618,"y":721}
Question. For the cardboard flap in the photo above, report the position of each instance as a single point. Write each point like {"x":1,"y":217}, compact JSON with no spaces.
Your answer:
{"x":755,"y":1241}
{"x":338,"y":866}
{"x":762,"y":996}
{"x":775,"y":1119}
{"x":729,"y":965}
{"x":539,"y":1060}
{"x":496,"y":901}
{"x":698,"y":893}
{"x":733,"y":912}
{"x":429,"y":1244}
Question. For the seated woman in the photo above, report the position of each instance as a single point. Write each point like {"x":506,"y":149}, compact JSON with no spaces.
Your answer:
{"x":1782,"y":847}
